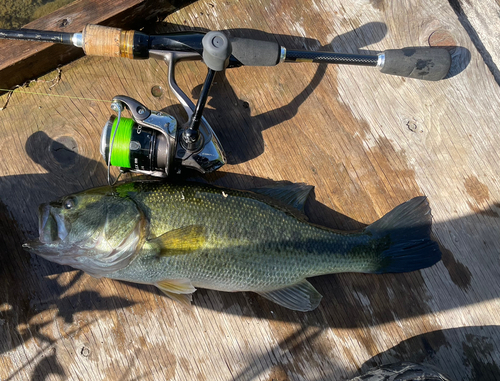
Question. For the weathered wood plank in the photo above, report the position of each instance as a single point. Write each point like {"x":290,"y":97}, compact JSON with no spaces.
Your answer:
{"x":25,"y":60}
{"x":365,"y":140}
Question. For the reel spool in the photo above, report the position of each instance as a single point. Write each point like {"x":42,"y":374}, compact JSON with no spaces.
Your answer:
{"x":135,"y":148}
{"x":145,"y":143}
{"x":150,"y":142}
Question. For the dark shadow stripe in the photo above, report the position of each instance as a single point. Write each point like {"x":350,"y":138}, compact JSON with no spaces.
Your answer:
{"x":464,"y":20}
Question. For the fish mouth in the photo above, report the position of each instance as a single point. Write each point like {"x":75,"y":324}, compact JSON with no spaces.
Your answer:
{"x":51,"y":226}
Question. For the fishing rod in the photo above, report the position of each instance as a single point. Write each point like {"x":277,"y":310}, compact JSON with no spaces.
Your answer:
{"x":151,"y":142}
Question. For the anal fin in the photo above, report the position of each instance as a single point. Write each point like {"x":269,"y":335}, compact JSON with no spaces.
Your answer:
{"x":299,"y":297}
{"x":180,"y":290}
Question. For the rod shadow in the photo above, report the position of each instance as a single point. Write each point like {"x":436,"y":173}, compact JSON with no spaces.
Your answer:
{"x":225,"y":105}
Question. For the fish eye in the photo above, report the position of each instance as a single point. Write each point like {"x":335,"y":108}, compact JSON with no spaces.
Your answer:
{"x":69,"y":203}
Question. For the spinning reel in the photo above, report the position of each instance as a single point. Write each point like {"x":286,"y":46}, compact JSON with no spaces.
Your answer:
{"x":152,"y":142}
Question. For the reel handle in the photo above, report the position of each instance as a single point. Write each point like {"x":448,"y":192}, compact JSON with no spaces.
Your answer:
{"x":216,"y":51}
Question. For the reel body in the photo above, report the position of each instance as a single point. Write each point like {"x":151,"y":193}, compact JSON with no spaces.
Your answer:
{"x":151,"y":143}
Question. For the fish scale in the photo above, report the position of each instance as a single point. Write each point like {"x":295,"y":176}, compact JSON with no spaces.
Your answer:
{"x":179,"y":236}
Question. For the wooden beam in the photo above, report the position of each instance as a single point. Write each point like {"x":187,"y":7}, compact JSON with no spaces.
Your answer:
{"x":24,"y":60}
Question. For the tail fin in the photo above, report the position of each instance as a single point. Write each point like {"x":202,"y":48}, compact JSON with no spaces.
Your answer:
{"x":408,"y":227}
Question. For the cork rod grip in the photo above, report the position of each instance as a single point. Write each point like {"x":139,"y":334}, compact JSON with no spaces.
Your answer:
{"x":107,"y":42}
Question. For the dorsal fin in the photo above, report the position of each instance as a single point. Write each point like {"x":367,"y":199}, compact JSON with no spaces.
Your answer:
{"x":294,"y":195}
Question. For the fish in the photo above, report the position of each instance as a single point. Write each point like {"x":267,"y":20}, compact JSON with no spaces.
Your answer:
{"x":180,"y":236}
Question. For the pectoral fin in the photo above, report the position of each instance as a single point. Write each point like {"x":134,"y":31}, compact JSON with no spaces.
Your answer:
{"x":299,"y":297}
{"x":180,"y":290}
{"x":181,"y":241}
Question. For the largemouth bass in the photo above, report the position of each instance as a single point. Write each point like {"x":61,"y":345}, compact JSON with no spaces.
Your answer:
{"x":180,"y":236}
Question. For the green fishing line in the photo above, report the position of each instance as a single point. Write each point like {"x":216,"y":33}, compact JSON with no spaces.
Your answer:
{"x":120,"y":156}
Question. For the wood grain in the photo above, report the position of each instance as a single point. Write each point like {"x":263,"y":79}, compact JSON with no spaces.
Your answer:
{"x":365,"y":140}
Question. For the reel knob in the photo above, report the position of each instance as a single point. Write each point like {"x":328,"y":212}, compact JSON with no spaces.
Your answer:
{"x":216,"y":50}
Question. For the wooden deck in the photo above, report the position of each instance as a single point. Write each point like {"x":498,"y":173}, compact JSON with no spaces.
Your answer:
{"x":365,"y":140}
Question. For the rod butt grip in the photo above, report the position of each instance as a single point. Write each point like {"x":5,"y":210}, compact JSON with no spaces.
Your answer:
{"x":429,"y":64}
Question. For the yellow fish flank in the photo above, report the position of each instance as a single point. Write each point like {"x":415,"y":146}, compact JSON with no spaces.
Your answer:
{"x":180,"y":236}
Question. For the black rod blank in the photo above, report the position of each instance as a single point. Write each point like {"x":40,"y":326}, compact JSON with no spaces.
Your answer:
{"x":37,"y":35}
{"x":331,"y":58}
